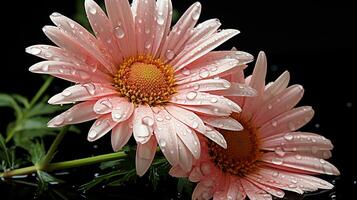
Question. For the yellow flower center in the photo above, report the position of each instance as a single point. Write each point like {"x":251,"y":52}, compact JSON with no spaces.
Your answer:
{"x":242,"y":151}
{"x":145,"y":80}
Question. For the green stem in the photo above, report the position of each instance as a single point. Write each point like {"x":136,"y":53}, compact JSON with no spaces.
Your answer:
{"x":34,"y":100}
{"x":41,"y":91}
{"x":66,"y":164}
{"x":53,"y":148}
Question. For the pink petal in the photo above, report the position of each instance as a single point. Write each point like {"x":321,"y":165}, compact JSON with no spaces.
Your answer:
{"x":122,"y":111}
{"x":51,"y":53}
{"x":277,"y":86}
{"x":188,"y":137}
{"x":201,"y":98}
{"x":205,"y":85}
{"x":181,"y":32}
{"x":201,"y":192}
{"x":145,"y":154}
{"x":100,"y":127}
{"x":254,"y":192}
{"x":296,"y":161}
{"x":226,"y":123}
{"x":121,"y":134}
{"x":195,"y":174}
{"x":188,"y":55}
{"x":187,"y":117}
{"x":257,"y":82}
{"x":185,"y":156}
{"x":316,"y":181}
{"x":69,"y":72}
{"x":82,"y":92}
{"x":177,"y":171}
{"x":324,"y":154}
{"x":143,"y":123}
{"x":287,"y":122}
{"x":204,"y":30}
{"x":121,"y":17}
{"x":281,"y":103}
{"x":269,"y":189}
{"x":144,"y":23}
{"x":105,"y":105}
{"x":232,"y":191}
{"x":297,"y":141}
{"x":162,"y":25}
{"x":217,"y":110}
{"x":166,"y":135}
{"x":215,"y":136}
{"x":236,"y":89}
{"x":103,"y":29}
{"x":241,"y":195}
{"x":79,"y":113}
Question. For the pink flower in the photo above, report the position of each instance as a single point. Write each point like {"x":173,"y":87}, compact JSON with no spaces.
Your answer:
{"x":138,"y":76}
{"x":269,"y":155}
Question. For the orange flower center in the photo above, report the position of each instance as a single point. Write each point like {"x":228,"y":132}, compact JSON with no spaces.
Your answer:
{"x":242,"y":151}
{"x":145,"y":80}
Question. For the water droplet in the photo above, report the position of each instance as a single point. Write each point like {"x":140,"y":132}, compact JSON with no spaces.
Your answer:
{"x":55,"y":14}
{"x":195,"y":124}
{"x":159,"y":119}
{"x":274,"y":123}
{"x":58,"y":121}
{"x":322,"y":161}
{"x":167,"y":117}
{"x":270,"y":106}
{"x":196,"y":14}
{"x":275,"y":174}
{"x":92,"y":134}
{"x":118,"y":116}
{"x":92,"y":10}
{"x":191,"y":95}
{"x":170,"y":54}
{"x":292,"y":186}
{"x":294,"y":181}
{"x":66,"y":93}
{"x":119,"y":32}
{"x":106,"y":103}
{"x":279,"y":151}
{"x":297,"y":156}
{"x":160,"y":20}
{"x":148,"y":44}
{"x":196,"y":86}
{"x":186,"y":72}
{"x":277,"y":161}
{"x":83,"y":75}
{"x":34,"y":50}
{"x":204,"y":73}
{"x":288,"y":136}
{"x":90,"y":87}
{"x":162,"y":143}
{"x":213,"y":100}
{"x":226,"y":84}
{"x":148,"y":121}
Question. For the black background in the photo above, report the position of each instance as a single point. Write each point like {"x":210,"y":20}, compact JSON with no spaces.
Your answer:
{"x":315,"y":41}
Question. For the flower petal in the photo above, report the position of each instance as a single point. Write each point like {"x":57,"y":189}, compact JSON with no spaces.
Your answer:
{"x":166,"y":135}
{"x":121,"y":134}
{"x":82,"y":92}
{"x":295,"y":161}
{"x":254,"y":192}
{"x":277,"y":86}
{"x":51,"y":53}
{"x":188,"y":137}
{"x":79,"y":113}
{"x":143,"y":123}
{"x":122,"y":111}
{"x":185,"y":156}
{"x":204,"y":30}
{"x":215,"y":136}
{"x":236,"y":89}
{"x":205,"y":85}
{"x":105,"y":105}
{"x":100,"y":127}
{"x":226,"y":123}
{"x":287,"y":122}
{"x":145,"y":154}
{"x":281,"y":103}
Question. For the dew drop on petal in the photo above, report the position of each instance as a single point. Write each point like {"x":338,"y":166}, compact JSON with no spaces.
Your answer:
{"x":148,"y":44}
{"x":170,"y":54}
{"x":90,"y":88}
{"x":204,"y":73}
{"x":119,"y":32}
{"x":92,"y":134}
{"x":66,"y":93}
{"x":274,"y":123}
{"x":162,"y":143}
{"x":297,"y":156}
{"x":270,"y":106}
{"x":34,"y":50}
{"x":213,"y":100}
{"x":186,"y":72}
{"x":277,"y":161}
{"x":159,"y":119}
{"x":288,"y":136}
{"x":148,"y":121}
{"x":195,"y":124}
{"x":226,"y":84}
{"x":92,"y":10}
{"x":191,"y":95}
{"x":275,"y":174}
{"x":160,"y":20}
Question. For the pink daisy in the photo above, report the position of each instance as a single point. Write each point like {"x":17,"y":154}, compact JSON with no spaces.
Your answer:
{"x":269,"y":155}
{"x":136,"y":76}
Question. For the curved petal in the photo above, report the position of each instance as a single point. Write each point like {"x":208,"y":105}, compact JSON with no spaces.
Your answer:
{"x":51,"y":53}
{"x":205,"y":85}
{"x":122,"y":111}
{"x":277,"y":86}
{"x":269,"y":189}
{"x":236,"y":89}
{"x":121,"y":134}
{"x":79,"y":113}
{"x":217,"y":110}
{"x":201,"y":192}
{"x":82,"y":92}
{"x":100,"y":127}
{"x":184,"y":155}
{"x":226,"y":123}
{"x":287,"y":122}
{"x":254,"y":192}
{"x":215,"y":136}
{"x":143,"y":123}
{"x":188,"y":137}
{"x":204,"y":30}
{"x":105,"y":105}
{"x":177,"y":171}
{"x":145,"y":154}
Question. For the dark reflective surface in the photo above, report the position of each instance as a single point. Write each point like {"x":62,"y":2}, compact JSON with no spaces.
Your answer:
{"x":315,"y":41}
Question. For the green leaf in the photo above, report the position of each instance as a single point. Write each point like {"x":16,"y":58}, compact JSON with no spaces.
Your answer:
{"x":45,"y":109}
{"x":37,"y":152}
{"x":7,"y":155}
{"x":8,"y":101}
{"x":44,"y":179}
{"x":184,"y":186}
{"x":21,"y":99}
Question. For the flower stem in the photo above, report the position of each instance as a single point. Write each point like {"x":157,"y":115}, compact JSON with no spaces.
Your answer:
{"x":41,"y":91}
{"x":66,"y":164}
{"x":43,"y":164}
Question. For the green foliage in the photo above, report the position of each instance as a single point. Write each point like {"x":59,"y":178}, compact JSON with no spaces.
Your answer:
{"x":7,"y":156}
{"x":184,"y":186}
